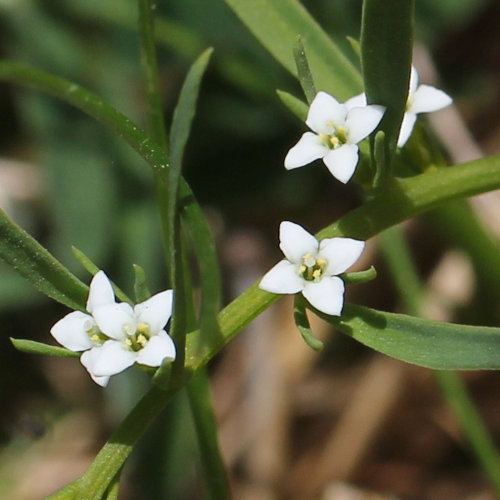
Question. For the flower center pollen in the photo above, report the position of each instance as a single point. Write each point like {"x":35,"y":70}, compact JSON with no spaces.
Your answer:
{"x":312,"y":268}
{"x":336,"y":138}
{"x":137,"y":338}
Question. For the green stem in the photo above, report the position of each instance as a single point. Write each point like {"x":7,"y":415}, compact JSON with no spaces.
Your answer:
{"x":472,"y":424}
{"x":156,"y":124}
{"x":410,"y":289}
{"x":217,"y":487}
{"x":108,"y":462}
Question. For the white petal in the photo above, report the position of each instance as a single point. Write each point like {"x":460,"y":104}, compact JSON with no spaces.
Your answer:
{"x":324,"y":111}
{"x":295,"y":242}
{"x":282,"y":278}
{"x":327,"y":296}
{"x":361,"y":122}
{"x":155,"y":311}
{"x":116,"y":320}
{"x":109,"y":359}
{"x":71,"y":331}
{"x":340,"y":253}
{"x":87,"y":359}
{"x":358,"y":101}
{"x":341,"y":162}
{"x":428,"y":99}
{"x":159,"y":347}
{"x":413,"y":82}
{"x":101,"y":292}
{"x":308,"y":149}
{"x":406,"y":128}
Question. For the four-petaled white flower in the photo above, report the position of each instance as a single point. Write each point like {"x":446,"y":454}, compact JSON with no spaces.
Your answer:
{"x":114,"y":335}
{"x":338,"y":128}
{"x":421,"y":99}
{"x":312,"y":267}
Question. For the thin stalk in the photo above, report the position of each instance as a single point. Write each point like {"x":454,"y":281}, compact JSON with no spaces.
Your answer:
{"x":452,"y":387}
{"x":156,"y":123}
{"x":216,"y":481}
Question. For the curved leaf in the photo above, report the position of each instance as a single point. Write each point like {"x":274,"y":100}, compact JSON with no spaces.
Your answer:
{"x":31,"y":260}
{"x":432,"y":344}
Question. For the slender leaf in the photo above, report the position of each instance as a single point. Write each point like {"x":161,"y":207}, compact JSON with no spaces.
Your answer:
{"x":277,"y":23}
{"x":432,"y":344}
{"x":303,"y":71}
{"x":156,"y":124}
{"x":386,"y":53}
{"x":358,"y":277}
{"x":32,"y":347}
{"x":141,"y":290}
{"x":380,"y":159}
{"x":203,"y":244}
{"x":89,"y":266}
{"x":179,"y":133}
{"x":295,"y":105}
{"x":302,"y":323}
{"x":30,"y":259}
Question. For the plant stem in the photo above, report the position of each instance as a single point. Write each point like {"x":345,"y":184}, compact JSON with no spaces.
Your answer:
{"x":452,"y":387}
{"x":217,"y":487}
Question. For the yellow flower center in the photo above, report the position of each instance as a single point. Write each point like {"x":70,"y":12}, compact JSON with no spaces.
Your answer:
{"x":137,"y":337}
{"x":337,"y":138}
{"x":312,"y":268}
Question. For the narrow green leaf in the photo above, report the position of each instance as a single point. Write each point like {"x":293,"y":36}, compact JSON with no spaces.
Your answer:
{"x":32,"y":347}
{"x":295,"y":105}
{"x":141,"y":290}
{"x":432,"y":344}
{"x":203,"y":244}
{"x":277,"y":23}
{"x":206,"y":256}
{"x":386,"y":53}
{"x":380,"y":159}
{"x":359,"y":277}
{"x":30,"y":259}
{"x":303,"y":71}
{"x":179,"y":133}
{"x":356,"y":47}
{"x":156,"y":124}
{"x":89,"y":266}
{"x":161,"y":378}
{"x":302,"y":323}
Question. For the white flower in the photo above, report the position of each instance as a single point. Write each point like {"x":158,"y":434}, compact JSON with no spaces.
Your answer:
{"x":78,"y":331}
{"x":312,"y":267}
{"x":421,"y":99}
{"x":338,"y":128}
{"x":115,"y":336}
{"x":135,"y":335}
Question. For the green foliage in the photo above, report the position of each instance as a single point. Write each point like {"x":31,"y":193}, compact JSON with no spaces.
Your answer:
{"x":277,"y":23}
{"x":32,"y":347}
{"x":30,"y":259}
{"x":433,"y":344}
{"x":386,"y":55}
{"x":302,"y":323}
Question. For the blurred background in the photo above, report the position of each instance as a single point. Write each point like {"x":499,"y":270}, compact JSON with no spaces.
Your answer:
{"x":345,"y":423}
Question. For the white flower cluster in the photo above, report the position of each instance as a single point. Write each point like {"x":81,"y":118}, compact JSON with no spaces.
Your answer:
{"x":312,"y":267}
{"x":114,"y":336}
